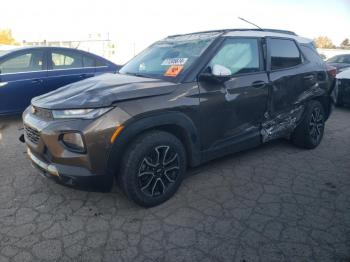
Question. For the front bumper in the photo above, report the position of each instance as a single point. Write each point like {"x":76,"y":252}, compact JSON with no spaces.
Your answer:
{"x":75,"y":177}
{"x":45,"y":167}
{"x":55,"y":160}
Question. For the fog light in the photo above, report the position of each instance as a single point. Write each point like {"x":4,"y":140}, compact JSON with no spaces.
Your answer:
{"x":74,"y":142}
{"x":52,"y":170}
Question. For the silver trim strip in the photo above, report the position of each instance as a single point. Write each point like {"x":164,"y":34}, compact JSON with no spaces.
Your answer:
{"x":51,"y":70}
{"x":51,"y":169}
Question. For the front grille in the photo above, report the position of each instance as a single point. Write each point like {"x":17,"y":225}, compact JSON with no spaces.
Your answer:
{"x":42,"y":113}
{"x":32,"y":134}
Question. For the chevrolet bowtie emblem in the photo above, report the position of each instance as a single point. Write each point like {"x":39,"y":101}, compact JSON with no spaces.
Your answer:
{"x":33,"y":110}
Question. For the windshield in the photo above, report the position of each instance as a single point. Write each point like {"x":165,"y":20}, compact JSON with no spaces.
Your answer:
{"x":4,"y":52}
{"x":170,"y":57}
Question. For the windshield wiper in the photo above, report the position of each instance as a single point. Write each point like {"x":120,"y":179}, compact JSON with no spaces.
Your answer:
{"x":138,"y":74}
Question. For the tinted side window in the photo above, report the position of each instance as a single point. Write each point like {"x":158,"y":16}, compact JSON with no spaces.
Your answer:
{"x":100,"y":63}
{"x":284,"y":54}
{"x":88,"y":61}
{"x":66,"y":59}
{"x":25,"y":62}
{"x":311,"y":54}
{"x":346,"y":59}
{"x":238,"y":55}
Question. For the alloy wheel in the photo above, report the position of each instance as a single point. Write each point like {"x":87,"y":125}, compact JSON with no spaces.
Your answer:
{"x":158,"y":171}
{"x":316,"y":125}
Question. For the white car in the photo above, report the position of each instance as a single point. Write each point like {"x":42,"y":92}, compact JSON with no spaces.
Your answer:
{"x":342,"y":88}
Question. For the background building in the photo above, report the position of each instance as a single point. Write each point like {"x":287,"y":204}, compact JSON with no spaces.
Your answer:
{"x":98,"y":43}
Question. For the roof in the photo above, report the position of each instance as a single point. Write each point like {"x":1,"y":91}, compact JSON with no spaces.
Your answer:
{"x":23,"y":48}
{"x":3,"y":53}
{"x":344,"y":74}
{"x":268,"y":33}
{"x":251,"y":33}
{"x":37,"y":47}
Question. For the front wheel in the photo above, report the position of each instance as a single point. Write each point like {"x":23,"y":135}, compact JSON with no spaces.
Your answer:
{"x":309,"y":133}
{"x":153,"y":168}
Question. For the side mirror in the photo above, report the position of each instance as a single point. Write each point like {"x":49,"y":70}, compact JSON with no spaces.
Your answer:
{"x":221,"y":71}
{"x":217,"y":73}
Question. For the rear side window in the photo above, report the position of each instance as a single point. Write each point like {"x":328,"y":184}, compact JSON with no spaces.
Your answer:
{"x":66,"y":60}
{"x":88,"y":61}
{"x":25,"y":62}
{"x":238,"y":55}
{"x":284,"y":54}
{"x":100,"y":62}
{"x":311,"y":53}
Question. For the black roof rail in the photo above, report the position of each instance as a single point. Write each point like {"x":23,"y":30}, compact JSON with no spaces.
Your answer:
{"x":239,"y":29}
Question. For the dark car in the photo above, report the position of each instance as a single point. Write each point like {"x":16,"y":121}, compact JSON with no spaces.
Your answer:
{"x":341,"y":62}
{"x":342,"y":88}
{"x":32,"y":71}
{"x":183,"y":101}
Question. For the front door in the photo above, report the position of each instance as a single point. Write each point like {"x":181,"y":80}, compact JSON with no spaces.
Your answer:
{"x":232,"y":111}
{"x":23,"y":76}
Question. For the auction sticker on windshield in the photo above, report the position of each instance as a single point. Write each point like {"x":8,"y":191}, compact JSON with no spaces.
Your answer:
{"x":174,"y":61}
{"x":173,"y":70}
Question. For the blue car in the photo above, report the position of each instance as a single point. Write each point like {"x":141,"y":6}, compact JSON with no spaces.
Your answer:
{"x":32,"y":71}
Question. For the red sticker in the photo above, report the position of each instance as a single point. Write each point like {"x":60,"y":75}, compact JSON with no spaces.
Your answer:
{"x":174,"y":70}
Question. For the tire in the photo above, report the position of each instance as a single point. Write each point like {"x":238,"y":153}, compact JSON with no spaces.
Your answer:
{"x":309,"y":133}
{"x":153,"y":168}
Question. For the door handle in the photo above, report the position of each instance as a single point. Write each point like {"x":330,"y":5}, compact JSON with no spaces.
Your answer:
{"x":37,"y":81}
{"x":258,"y":84}
{"x":85,"y":75}
{"x":309,"y":77}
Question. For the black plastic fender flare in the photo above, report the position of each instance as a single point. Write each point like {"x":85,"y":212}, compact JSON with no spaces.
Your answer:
{"x":135,"y":127}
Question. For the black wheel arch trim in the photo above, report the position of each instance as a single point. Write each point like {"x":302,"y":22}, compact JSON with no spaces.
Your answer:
{"x":135,"y":127}
{"x":326,"y":102}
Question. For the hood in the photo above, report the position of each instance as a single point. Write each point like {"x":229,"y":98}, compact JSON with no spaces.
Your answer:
{"x":344,"y":74}
{"x":102,"y":91}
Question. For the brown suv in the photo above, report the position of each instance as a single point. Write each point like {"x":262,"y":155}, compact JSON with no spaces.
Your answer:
{"x":183,"y":101}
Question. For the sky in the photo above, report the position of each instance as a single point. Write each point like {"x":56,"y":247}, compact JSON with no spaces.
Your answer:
{"x":133,"y":25}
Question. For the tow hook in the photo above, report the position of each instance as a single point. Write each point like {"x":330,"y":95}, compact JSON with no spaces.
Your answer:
{"x":22,"y":139}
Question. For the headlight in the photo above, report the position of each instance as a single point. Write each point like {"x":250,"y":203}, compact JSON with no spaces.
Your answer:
{"x":73,"y":141}
{"x":80,"y":113}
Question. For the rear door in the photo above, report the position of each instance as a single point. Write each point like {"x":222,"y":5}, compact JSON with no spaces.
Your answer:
{"x":67,"y":66}
{"x":288,"y":76}
{"x":23,"y":76}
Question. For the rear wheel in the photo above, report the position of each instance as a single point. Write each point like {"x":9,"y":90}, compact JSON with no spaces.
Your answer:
{"x":153,"y":168}
{"x":309,"y":133}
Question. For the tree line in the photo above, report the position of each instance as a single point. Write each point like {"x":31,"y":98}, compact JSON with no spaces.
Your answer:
{"x":326,"y":42}
{"x":6,"y":37}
